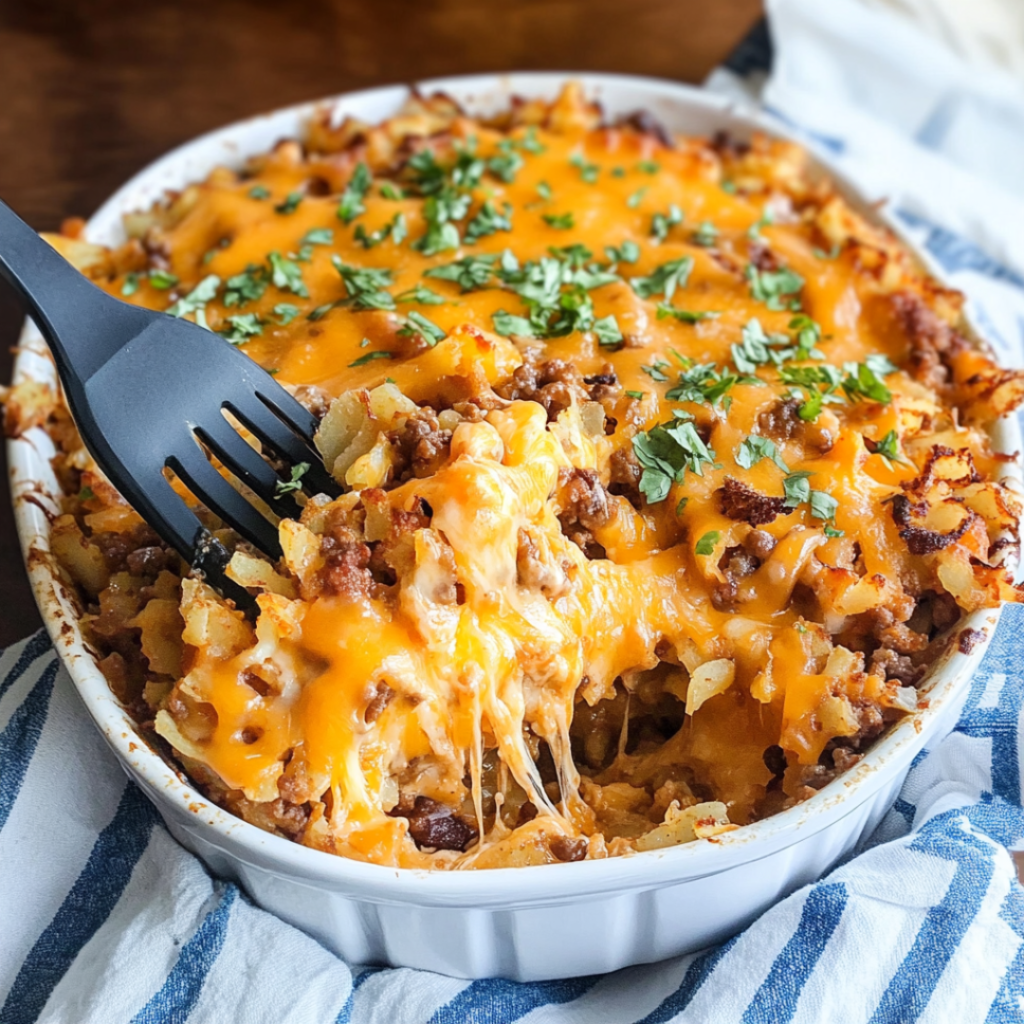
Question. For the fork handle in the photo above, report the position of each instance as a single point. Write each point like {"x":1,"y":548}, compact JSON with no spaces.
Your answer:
{"x":83,"y":325}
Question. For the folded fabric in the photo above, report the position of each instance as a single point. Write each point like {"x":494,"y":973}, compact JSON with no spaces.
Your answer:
{"x":105,"y":919}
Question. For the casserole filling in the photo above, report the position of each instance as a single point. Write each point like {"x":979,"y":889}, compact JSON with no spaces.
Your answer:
{"x":666,"y":478}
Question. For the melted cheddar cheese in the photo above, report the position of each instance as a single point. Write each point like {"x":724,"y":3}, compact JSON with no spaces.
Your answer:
{"x":663,"y":479}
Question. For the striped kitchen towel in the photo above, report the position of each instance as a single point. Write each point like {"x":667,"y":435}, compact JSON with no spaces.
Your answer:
{"x":104,"y":919}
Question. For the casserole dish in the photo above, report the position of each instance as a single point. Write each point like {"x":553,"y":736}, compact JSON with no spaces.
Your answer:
{"x":499,"y":922}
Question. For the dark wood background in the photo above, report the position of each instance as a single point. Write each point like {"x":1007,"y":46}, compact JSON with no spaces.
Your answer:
{"x":93,"y":90}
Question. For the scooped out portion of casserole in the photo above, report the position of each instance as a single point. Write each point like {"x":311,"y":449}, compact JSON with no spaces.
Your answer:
{"x":665,"y":479}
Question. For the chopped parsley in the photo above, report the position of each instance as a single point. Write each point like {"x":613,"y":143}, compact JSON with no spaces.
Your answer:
{"x":417,"y":323}
{"x":366,"y":286}
{"x":196,"y":300}
{"x":285,"y":312}
{"x":469,"y":273}
{"x":370,"y":356}
{"x":507,"y":324}
{"x":295,"y":484}
{"x":777,"y":289}
{"x":607,"y":331}
{"x":487,"y":221}
{"x":664,"y":279}
{"x":287,"y":275}
{"x":648,"y":167}
{"x":706,"y":545}
{"x":756,"y":448}
{"x":351,"y":204}
{"x":797,"y":487}
{"x":705,"y":383}
{"x":389,"y":191}
{"x":395,"y":227}
{"x":505,"y":166}
{"x":588,"y":171}
{"x":889,"y":447}
{"x":530,"y":142}
{"x":687,"y":316}
{"x":636,"y":198}
{"x":666,"y":452}
{"x":706,"y":234}
{"x":766,"y":218}
{"x":247,"y":286}
{"x":544,"y":190}
{"x":662,"y":222}
{"x":241,"y":329}
{"x":656,"y":371}
{"x":290,"y":203}
{"x":628,"y":252}
{"x":560,"y":221}
{"x":318,"y":236}
{"x":259,"y":192}
{"x":423,"y":295}
{"x":638,"y":395}
{"x":131,"y":283}
{"x":752,"y":350}
{"x":831,"y":254}
{"x":162,"y":279}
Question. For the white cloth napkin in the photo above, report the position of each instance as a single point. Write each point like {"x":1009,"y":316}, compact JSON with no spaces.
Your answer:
{"x":104,"y":919}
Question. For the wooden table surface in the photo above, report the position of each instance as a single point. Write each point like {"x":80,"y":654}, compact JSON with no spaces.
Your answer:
{"x":94,"y":90}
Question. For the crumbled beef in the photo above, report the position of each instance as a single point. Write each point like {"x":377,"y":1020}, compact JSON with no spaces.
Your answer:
{"x":149,"y":561}
{"x":566,"y":849}
{"x":553,"y":384}
{"x":761,"y":256}
{"x":737,"y":500}
{"x":346,"y":566}
{"x":436,"y":826}
{"x":759,"y":544}
{"x":604,"y":386}
{"x":736,"y":564}
{"x":314,"y":399}
{"x":775,"y":760}
{"x":932,"y":340}
{"x":781,"y":422}
{"x":527,"y":812}
{"x":625,"y":473}
{"x":584,"y":504}
{"x":534,"y":572}
{"x":421,"y":446}
{"x":382,"y":697}
{"x":116,"y":547}
{"x":646,"y":123}
{"x":844,"y":759}
{"x":725,"y":143}
{"x":891,"y":665}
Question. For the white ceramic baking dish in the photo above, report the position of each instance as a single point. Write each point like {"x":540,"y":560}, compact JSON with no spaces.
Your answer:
{"x":528,"y":923}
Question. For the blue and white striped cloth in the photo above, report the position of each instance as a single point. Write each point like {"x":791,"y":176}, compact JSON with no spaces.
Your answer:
{"x":105,"y":920}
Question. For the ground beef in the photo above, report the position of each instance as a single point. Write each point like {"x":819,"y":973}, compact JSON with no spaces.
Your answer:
{"x":534,"y":572}
{"x":759,"y":544}
{"x":646,"y":123}
{"x":150,"y":560}
{"x":421,"y":446}
{"x":584,"y":504}
{"x":737,"y":500}
{"x":625,"y":473}
{"x":116,"y":547}
{"x":736,"y":564}
{"x":314,"y":399}
{"x":346,"y":566}
{"x":761,"y":256}
{"x":604,"y":386}
{"x":436,"y":826}
{"x":891,"y":665}
{"x":932,"y":340}
{"x":382,"y":697}
{"x":566,"y":849}
{"x":554,"y":384}
{"x":782,"y":421}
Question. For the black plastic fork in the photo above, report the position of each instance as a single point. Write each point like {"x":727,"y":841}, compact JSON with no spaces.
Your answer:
{"x":146,"y":388}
